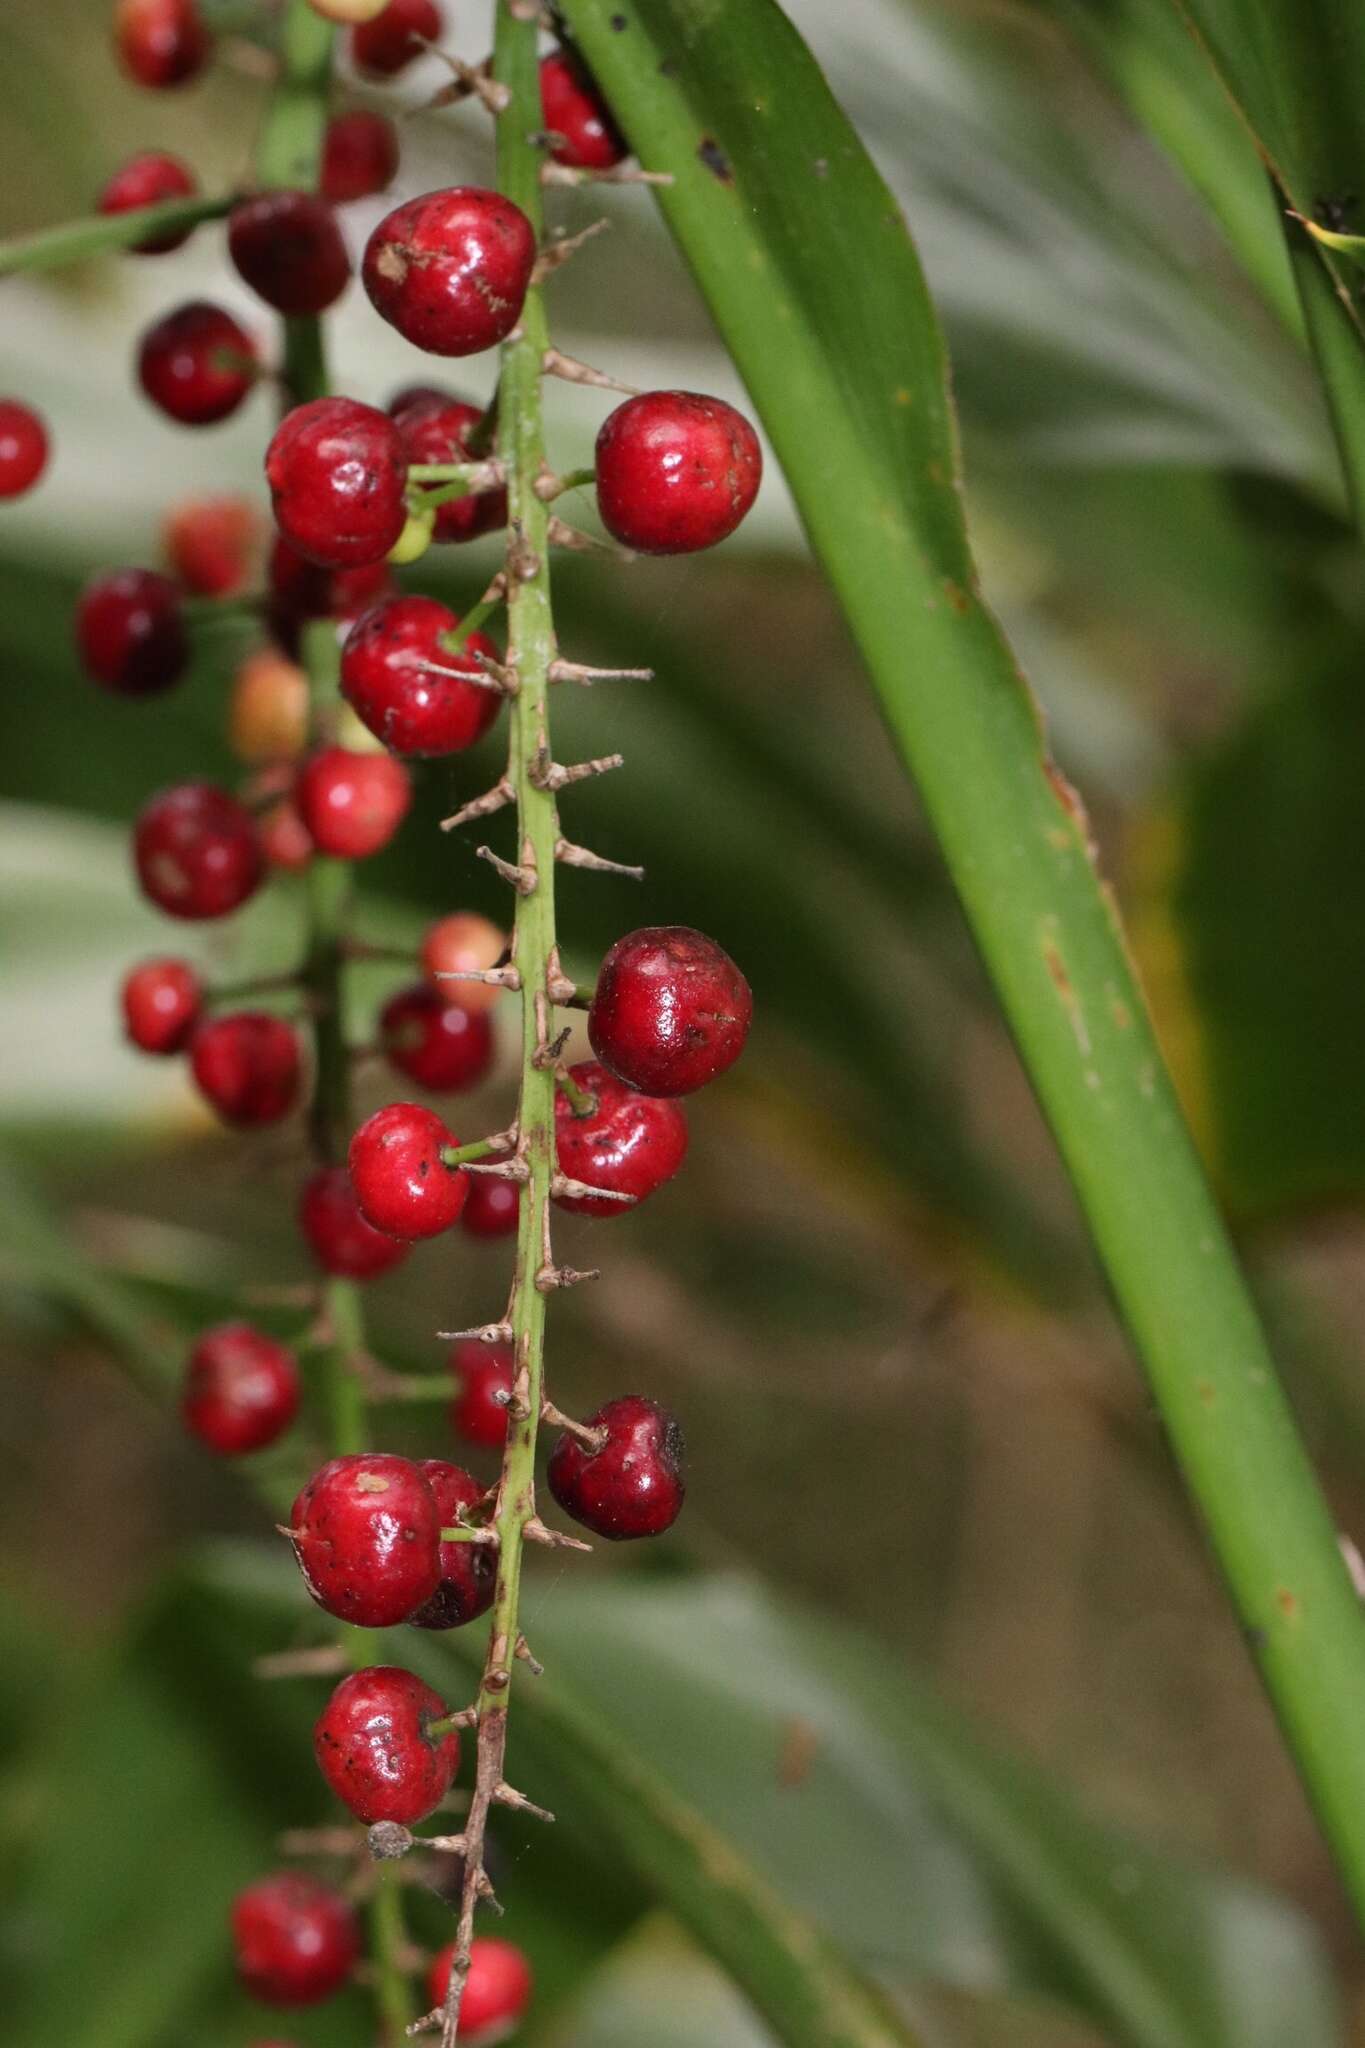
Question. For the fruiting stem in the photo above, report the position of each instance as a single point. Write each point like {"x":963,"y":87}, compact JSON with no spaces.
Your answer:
{"x":75,"y":241}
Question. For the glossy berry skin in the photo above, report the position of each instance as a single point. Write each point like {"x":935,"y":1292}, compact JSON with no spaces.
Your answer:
{"x":493,"y":1208}
{"x":633,"y":1486}
{"x":247,"y":1066}
{"x":366,"y":1531}
{"x":288,"y":248}
{"x":359,"y":155}
{"x":352,"y":804}
{"x":671,"y":1010}
{"x":23,"y":448}
{"x":295,"y":1940}
{"x":497,"y":1990}
{"x":457,"y":943}
{"x":268,"y":709}
{"x":337,"y":474}
{"x":338,"y":1236}
{"x":629,"y":1143}
{"x":210,"y":544}
{"x":436,"y":1042}
{"x":285,"y":840}
{"x":150,"y":179}
{"x":299,"y":590}
{"x":161,"y":1004}
{"x":403,"y":685}
{"x":396,"y":1171}
{"x":675,"y":472}
{"x":396,"y":37}
{"x":449,"y":270}
{"x":196,"y":852}
{"x":197,"y":364}
{"x":436,"y":428}
{"x":484,"y":1370}
{"x":469,"y":1571}
{"x":161,"y":43}
{"x":130,"y":632}
{"x":373,"y":1749}
{"x":241,"y":1389}
{"x":572,"y":106}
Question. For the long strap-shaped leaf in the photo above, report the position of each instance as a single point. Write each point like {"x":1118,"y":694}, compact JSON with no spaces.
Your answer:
{"x":810,"y":274}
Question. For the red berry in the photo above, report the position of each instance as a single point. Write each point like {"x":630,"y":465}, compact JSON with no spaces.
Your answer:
{"x":338,"y":1236}
{"x":197,"y":364}
{"x":288,"y":248}
{"x":285,"y":840}
{"x":150,"y":179}
{"x":366,"y":1531}
{"x":359,"y":155}
{"x":404,"y":686}
{"x":675,"y":471}
{"x":434,"y":1041}
{"x":161,"y":1004}
{"x":196,"y":851}
{"x":337,"y":473}
{"x":130,"y":632}
{"x":295,"y":1939}
{"x":247,"y":1066}
{"x":493,"y":1207}
{"x":373,"y":1749}
{"x":497,"y":1990}
{"x":241,"y":1389}
{"x":300,"y":591}
{"x":671,"y":1010}
{"x":23,"y":448}
{"x":396,"y":1171}
{"x":626,"y":1142}
{"x":633,"y":1485}
{"x":161,"y":42}
{"x":450,"y":270}
{"x":485,"y":1370}
{"x":352,"y":804}
{"x":572,"y":106}
{"x":435,"y":428}
{"x":469,"y":1571}
{"x":210,"y":544}
{"x":396,"y":37}
{"x":456,"y":944}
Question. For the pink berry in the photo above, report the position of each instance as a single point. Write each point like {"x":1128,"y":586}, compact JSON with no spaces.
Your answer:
{"x":196,"y":852}
{"x":435,"y":1041}
{"x":359,"y":155}
{"x":395,"y":38}
{"x":483,"y":1370}
{"x":454,"y":945}
{"x":288,"y":248}
{"x":150,"y":179}
{"x":450,"y":270}
{"x":247,"y":1066}
{"x":285,"y":840}
{"x":671,"y":1010}
{"x":161,"y":1004}
{"x":211,"y":544}
{"x":573,"y":108}
{"x":295,"y":1940}
{"x":372,"y":1746}
{"x":300,"y":591}
{"x":633,"y":1485}
{"x":352,"y":804}
{"x":161,"y":43}
{"x":130,"y":632}
{"x":405,"y":687}
{"x":398,"y":1176}
{"x":241,"y":1389}
{"x":366,"y":1531}
{"x":675,"y":472}
{"x":493,"y":1208}
{"x":197,"y":364}
{"x":338,"y":474}
{"x":435,"y":428}
{"x":338,"y":1236}
{"x":468,"y":1570}
{"x":23,"y":448}
{"x":625,"y":1142}
{"x":497,"y":1990}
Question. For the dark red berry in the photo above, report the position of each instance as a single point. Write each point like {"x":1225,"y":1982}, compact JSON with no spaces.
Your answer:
{"x":161,"y":42}
{"x":338,"y":473}
{"x":497,"y":1990}
{"x":483,"y":1370}
{"x":23,"y":448}
{"x":631,"y":1486}
{"x":241,"y":1389}
{"x":150,"y":179}
{"x":285,"y":840}
{"x":396,"y":1171}
{"x":573,"y":108}
{"x":288,"y":248}
{"x":675,"y":472}
{"x":403,"y":685}
{"x":300,"y":590}
{"x":161,"y":1004}
{"x":247,"y":1066}
{"x":435,"y":1041}
{"x":359,"y":155}
{"x":626,"y":1142}
{"x":196,"y":851}
{"x":435,"y":428}
{"x":211,"y":544}
{"x":450,"y":270}
{"x":295,"y":1939}
{"x":373,"y":1749}
{"x":366,"y":1531}
{"x":468,"y":1570}
{"x":396,"y":37}
{"x":197,"y":364}
{"x":338,"y":1236}
{"x":130,"y":632}
{"x":493,"y":1207}
{"x":671,"y":1010}
{"x":352,"y":804}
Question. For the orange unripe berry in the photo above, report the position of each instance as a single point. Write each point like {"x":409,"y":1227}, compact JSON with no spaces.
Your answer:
{"x":464,"y":940}
{"x":348,"y":12}
{"x":268,"y":710}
